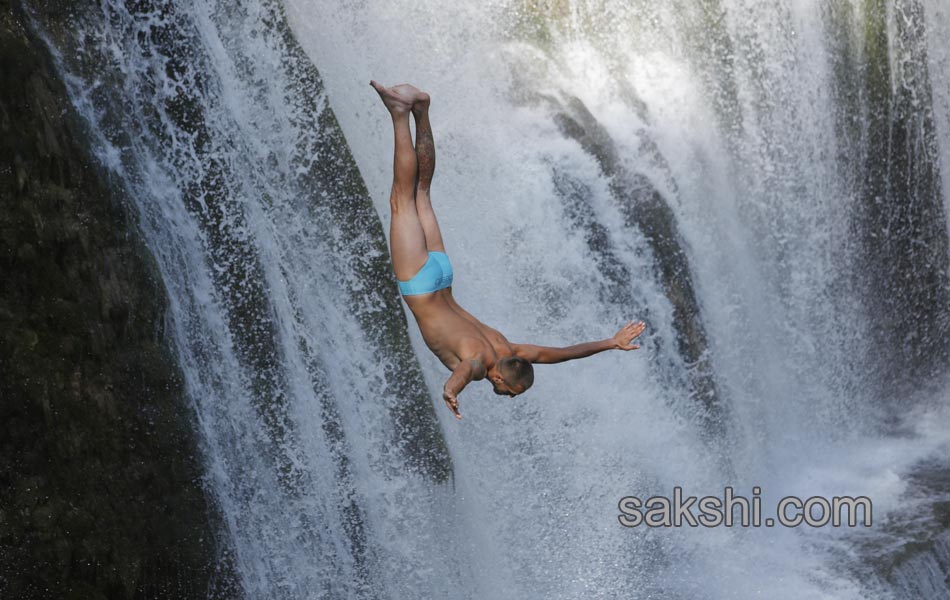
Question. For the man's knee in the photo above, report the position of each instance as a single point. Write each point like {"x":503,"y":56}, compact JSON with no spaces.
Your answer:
{"x":401,"y":201}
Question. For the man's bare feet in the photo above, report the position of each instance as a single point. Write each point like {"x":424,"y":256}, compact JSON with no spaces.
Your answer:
{"x":421,"y":104}
{"x":400,"y":99}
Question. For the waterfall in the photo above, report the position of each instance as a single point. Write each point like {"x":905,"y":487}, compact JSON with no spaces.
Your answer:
{"x":275,"y":265}
{"x":764,"y":183}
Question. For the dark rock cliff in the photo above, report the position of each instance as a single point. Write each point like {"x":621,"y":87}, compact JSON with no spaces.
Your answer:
{"x":100,"y":485}
{"x":891,"y":155}
{"x":902,"y":218}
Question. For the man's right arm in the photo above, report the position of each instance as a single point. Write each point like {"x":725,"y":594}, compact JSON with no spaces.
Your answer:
{"x":622,"y":340}
{"x":550,"y":355}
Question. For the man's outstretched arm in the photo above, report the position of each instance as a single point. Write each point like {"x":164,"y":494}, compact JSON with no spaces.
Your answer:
{"x":622,"y":340}
{"x":464,"y":372}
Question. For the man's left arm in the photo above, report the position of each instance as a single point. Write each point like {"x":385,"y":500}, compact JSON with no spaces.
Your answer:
{"x":622,"y":340}
{"x":464,"y":372}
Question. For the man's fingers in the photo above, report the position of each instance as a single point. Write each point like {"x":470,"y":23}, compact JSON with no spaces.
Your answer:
{"x":633,"y":330}
{"x":453,"y":405}
{"x":630,"y":332}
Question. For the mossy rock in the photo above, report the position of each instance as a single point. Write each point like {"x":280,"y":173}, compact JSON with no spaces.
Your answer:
{"x":100,"y":490}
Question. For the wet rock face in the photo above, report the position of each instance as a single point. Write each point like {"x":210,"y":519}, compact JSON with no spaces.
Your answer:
{"x":910,"y":549}
{"x":645,"y":209}
{"x":100,"y":489}
{"x":902,"y":217}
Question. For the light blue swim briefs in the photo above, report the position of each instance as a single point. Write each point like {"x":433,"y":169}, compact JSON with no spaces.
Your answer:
{"x":436,"y":274}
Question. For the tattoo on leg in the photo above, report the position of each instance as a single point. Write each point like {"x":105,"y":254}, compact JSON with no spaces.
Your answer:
{"x":425,"y":151}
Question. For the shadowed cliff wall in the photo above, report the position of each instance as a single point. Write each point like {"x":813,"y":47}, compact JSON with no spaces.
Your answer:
{"x":100,"y":482}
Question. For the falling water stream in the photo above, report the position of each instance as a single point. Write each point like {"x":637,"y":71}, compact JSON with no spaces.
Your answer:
{"x":763,"y":183}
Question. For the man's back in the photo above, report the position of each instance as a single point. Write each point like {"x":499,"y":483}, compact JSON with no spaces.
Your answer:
{"x":452,"y":333}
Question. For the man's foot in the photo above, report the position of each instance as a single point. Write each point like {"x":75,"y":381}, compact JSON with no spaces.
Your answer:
{"x":400,"y":99}
{"x":421,"y":104}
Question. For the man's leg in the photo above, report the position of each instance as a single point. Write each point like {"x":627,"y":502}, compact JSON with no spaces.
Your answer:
{"x":425,"y":152}
{"x":407,"y":242}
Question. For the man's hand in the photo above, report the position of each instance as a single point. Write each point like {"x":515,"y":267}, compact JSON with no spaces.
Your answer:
{"x":464,"y":373}
{"x":627,"y":334}
{"x":452,"y":401}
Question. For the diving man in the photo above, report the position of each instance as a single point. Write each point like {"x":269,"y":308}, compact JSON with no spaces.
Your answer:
{"x":465,"y":345}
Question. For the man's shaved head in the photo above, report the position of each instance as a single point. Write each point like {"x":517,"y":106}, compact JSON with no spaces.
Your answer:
{"x":517,"y":372}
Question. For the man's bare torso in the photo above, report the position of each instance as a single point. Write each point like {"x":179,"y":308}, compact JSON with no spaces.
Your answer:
{"x":452,"y":333}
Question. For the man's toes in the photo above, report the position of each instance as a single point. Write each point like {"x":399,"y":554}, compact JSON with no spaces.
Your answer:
{"x":381,"y":89}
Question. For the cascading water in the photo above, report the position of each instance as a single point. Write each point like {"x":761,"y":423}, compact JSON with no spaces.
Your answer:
{"x":272,"y":259}
{"x":761,"y":182}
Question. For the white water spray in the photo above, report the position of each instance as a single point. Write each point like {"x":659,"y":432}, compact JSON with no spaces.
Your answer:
{"x":221,"y":157}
